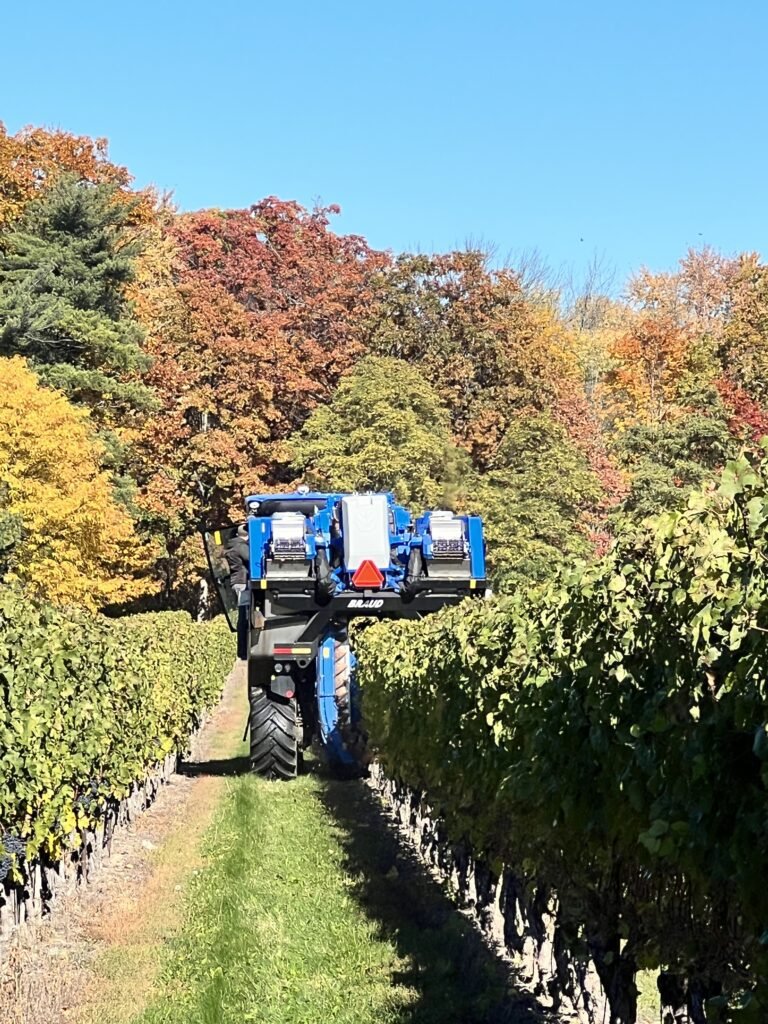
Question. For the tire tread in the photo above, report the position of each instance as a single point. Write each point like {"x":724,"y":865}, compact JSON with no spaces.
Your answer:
{"x":274,"y":746}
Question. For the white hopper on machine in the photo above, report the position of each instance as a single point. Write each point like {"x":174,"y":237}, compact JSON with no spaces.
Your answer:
{"x":365,"y":525}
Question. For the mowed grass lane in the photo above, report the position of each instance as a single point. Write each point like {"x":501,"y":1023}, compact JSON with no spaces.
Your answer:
{"x":307,"y":912}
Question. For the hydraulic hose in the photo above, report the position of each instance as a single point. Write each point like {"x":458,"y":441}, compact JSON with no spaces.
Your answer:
{"x":414,"y":572}
{"x":324,"y":581}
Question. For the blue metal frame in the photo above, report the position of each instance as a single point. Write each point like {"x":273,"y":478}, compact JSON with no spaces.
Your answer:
{"x":476,"y":547}
{"x":405,"y":535}
{"x":328,"y":710}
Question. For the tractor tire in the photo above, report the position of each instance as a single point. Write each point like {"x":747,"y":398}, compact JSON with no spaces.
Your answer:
{"x":274,"y":736}
{"x":354,"y":736}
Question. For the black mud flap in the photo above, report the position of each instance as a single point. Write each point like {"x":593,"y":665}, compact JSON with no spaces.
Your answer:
{"x":282,"y":686}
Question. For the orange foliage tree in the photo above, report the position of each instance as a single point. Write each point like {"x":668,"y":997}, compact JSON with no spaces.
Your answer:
{"x":34,"y":158}
{"x":649,"y":361}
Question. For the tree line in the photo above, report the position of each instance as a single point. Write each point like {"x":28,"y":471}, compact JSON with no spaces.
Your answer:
{"x":157,"y":365}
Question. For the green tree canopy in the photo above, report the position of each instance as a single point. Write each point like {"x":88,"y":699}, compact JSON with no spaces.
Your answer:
{"x":384,"y":429}
{"x":668,"y":460}
{"x":63,"y":271}
{"x":535,"y":499}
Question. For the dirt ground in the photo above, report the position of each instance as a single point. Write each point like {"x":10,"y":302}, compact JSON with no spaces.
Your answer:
{"x":94,"y":957}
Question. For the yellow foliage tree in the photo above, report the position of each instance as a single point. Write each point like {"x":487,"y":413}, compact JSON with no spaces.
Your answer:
{"x":74,"y":544}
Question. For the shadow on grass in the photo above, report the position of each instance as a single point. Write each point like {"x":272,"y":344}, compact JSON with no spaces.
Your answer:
{"x":457,"y":978}
{"x":221,"y":766}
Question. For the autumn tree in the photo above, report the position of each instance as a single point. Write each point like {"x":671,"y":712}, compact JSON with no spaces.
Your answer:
{"x":305,"y":291}
{"x":472,"y":332}
{"x":384,"y":429}
{"x":687,"y":378}
{"x":487,"y":346}
{"x":251,"y":318}
{"x":718,"y":305}
{"x":63,"y":272}
{"x":649,"y":361}
{"x":746,"y":417}
{"x":34,"y":159}
{"x":725,"y":299}
{"x":62,"y":534}
{"x":670,"y":430}
{"x":744,"y":338}
{"x":209,"y":442}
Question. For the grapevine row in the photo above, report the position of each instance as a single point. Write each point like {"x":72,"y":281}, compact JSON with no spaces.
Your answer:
{"x":608,"y":737}
{"x":88,"y":706}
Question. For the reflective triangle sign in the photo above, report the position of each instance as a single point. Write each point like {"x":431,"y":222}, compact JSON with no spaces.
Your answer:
{"x":367,"y":575}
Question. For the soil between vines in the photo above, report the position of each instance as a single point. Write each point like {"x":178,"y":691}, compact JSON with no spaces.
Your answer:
{"x":96,"y":956}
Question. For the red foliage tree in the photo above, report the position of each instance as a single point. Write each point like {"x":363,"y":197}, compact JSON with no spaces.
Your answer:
{"x":747,"y":419}
{"x":252,"y":316}
{"x":304,"y":289}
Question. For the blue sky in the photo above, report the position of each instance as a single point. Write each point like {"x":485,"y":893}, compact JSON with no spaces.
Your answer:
{"x":628,"y":130}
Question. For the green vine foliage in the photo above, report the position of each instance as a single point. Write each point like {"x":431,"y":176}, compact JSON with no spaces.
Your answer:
{"x":608,"y":736}
{"x":88,"y":705}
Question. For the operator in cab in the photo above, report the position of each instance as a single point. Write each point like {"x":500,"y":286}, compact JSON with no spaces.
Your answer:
{"x":237,"y":554}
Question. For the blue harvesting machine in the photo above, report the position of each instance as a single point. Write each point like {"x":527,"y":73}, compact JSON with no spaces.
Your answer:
{"x":293,"y":576}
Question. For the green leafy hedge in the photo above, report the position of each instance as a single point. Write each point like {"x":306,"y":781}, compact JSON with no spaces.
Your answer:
{"x":608,"y":736}
{"x":88,"y":705}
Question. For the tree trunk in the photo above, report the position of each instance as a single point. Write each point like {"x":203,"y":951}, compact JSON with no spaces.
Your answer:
{"x":673,"y":992}
{"x":699,"y":991}
{"x":617,"y":971}
{"x":684,"y":1000}
{"x":618,"y":978}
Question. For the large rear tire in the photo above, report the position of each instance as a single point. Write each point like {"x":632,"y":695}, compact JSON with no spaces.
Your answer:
{"x":274,"y":739}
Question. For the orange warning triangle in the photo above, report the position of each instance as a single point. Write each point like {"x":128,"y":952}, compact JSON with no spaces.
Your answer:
{"x":367,"y":575}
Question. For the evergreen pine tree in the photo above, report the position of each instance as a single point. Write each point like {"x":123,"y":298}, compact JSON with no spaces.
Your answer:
{"x":63,"y":272}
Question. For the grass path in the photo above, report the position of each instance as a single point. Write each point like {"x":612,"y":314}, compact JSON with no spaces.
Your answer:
{"x":307,"y":912}
{"x":236,"y":901}
{"x":95,"y":958}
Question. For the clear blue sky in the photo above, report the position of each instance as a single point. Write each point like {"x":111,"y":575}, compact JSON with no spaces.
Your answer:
{"x":637,"y":127}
